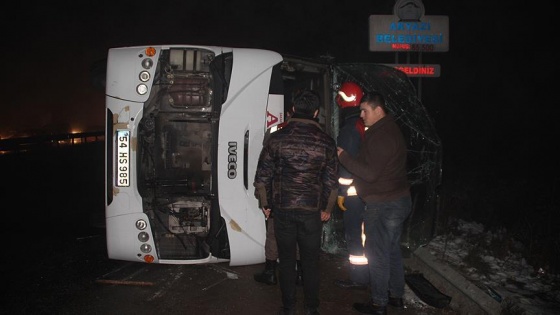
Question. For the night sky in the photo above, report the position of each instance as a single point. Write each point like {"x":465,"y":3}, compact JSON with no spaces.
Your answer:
{"x":491,"y":103}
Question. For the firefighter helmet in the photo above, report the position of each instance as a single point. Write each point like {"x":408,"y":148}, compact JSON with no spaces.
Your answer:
{"x":349,"y":95}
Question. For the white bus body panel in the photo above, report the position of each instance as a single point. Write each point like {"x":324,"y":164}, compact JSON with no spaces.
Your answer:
{"x":243,"y":121}
{"x":242,"y":115}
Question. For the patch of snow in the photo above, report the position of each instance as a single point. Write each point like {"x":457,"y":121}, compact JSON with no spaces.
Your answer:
{"x":509,"y":279}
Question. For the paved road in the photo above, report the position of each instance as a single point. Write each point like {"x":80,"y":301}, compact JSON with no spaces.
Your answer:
{"x":73,"y":276}
{"x":56,"y":263}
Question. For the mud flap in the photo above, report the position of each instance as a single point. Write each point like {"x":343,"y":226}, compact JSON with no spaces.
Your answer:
{"x":426,"y":291}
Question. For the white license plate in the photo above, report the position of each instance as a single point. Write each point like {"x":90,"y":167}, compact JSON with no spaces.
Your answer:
{"x":123,"y":158}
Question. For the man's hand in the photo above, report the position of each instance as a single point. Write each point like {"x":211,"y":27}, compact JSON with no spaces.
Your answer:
{"x":325,"y":216}
{"x":266,"y":212}
{"x":340,"y":202}
{"x":339,"y":151}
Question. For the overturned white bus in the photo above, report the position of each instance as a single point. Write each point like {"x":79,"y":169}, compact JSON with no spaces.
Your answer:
{"x":185,"y":126}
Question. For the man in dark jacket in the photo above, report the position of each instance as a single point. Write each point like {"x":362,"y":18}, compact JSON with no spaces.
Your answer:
{"x":381,"y":181}
{"x":268,"y":275}
{"x":296,"y":178}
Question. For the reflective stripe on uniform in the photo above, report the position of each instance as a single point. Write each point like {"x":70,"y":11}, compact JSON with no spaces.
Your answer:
{"x":358,"y":260}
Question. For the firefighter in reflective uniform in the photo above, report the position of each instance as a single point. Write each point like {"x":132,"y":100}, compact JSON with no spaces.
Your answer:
{"x":350,"y":136}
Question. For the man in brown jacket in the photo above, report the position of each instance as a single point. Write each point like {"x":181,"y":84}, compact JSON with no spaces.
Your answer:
{"x":380,"y":178}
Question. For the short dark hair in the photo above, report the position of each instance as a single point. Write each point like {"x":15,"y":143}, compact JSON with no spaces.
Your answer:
{"x":306,"y":102}
{"x":374,"y":99}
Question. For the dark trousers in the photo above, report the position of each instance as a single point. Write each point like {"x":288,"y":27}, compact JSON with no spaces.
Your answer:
{"x":303,"y":228}
{"x":353,"y":219}
{"x":270,"y":245}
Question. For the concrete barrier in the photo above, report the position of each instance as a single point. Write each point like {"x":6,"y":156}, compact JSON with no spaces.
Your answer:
{"x":466,"y":297}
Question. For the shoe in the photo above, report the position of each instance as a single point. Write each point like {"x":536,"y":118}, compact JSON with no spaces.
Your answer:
{"x":396,"y":302}
{"x":268,"y":276}
{"x":347,"y":284}
{"x":286,"y":311}
{"x":370,"y":308}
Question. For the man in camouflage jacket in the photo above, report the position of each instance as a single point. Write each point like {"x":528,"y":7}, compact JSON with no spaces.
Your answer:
{"x":297,"y":179}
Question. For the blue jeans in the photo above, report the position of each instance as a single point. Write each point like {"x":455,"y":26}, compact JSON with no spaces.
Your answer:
{"x":303,"y":228}
{"x":383,"y":228}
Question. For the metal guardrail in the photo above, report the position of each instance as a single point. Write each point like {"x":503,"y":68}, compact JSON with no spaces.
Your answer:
{"x":43,"y":141}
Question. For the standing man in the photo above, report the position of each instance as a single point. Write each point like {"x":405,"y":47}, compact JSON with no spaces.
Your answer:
{"x":268,"y":275}
{"x":350,"y":135}
{"x":296,"y":179}
{"x":381,"y":181}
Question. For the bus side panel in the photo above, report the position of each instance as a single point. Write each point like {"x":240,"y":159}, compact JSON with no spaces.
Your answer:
{"x":126,"y":205}
{"x":122,"y":237}
{"x":122,"y":73}
{"x":242,"y":124}
{"x":126,"y":107}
